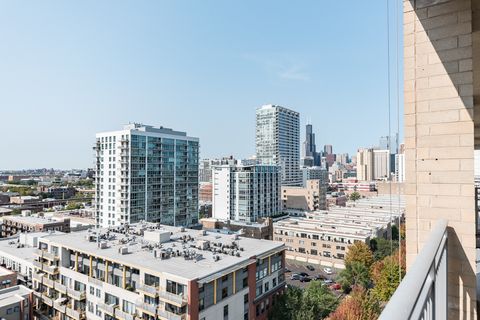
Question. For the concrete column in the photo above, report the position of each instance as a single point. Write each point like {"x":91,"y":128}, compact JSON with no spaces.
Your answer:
{"x":76,"y":261}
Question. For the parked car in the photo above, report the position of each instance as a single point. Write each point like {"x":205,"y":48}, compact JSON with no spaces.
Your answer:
{"x":319,"y":277}
{"x":328,"y":282}
{"x":336,"y":286}
{"x":328,"y":270}
{"x":295,"y":276}
{"x":304,"y":274}
{"x":305,"y":279}
{"x":311,"y":268}
{"x":287,"y":270}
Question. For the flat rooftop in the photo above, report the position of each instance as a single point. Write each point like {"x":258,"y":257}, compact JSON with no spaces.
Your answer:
{"x":12,"y":295}
{"x":187,"y":261}
{"x":32,"y":220}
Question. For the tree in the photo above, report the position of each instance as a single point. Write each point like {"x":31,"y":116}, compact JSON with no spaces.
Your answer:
{"x":354,"y":274}
{"x":354,"y":196}
{"x":360,"y":305}
{"x":383,"y":248}
{"x":287,"y":304}
{"x":386,"y":276}
{"x":359,"y":252}
{"x":315,"y":302}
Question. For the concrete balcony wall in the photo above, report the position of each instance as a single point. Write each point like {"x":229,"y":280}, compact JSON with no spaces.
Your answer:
{"x":440,"y":130}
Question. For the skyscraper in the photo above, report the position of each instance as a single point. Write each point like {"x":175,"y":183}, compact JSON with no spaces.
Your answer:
{"x":310,"y":156}
{"x":327,"y":149}
{"x":365,"y":164}
{"x":146,"y":173}
{"x":278,"y":141}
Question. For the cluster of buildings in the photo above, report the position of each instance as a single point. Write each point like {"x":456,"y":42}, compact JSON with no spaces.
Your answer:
{"x":381,"y":163}
{"x":174,"y":237}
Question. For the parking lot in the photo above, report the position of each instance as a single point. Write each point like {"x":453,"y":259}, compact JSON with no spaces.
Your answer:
{"x":297,"y":267}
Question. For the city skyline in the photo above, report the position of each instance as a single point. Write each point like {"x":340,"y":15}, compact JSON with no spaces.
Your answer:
{"x":96,"y":73}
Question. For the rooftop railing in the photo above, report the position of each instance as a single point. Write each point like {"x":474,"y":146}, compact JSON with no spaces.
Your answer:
{"x":422,"y":294}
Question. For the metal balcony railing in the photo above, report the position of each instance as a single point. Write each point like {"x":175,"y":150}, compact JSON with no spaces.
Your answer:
{"x":422,"y":294}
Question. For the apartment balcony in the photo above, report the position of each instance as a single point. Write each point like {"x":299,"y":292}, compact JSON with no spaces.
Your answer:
{"x":60,"y":288}
{"x":174,"y":299}
{"x":147,"y":308}
{"x":422,"y":294}
{"x":77,"y":295}
{"x":148,"y":290}
{"x":49,"y":283}
{"x":47,"y":300}
{"x":37,"y":276}
{"x":46,"y":255}
{"x":60,"y":306}
{"x":95,"y":281}
{"x":119,"y":314}
{"x":76,"y":314}
{"x":107,"y":308}
{"x":162,"y":314}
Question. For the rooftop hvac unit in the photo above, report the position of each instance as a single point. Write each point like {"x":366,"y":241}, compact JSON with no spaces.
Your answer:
{"x":123,"y":250}
{"x":103,"y":245}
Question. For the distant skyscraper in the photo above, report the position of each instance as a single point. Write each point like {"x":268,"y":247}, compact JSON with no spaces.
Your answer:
{"x":278,"y":141}
{"x":146,"y":173}
{"x":310,"y":155}
{"x":205,"y":171}
{"x":400,"y":167}
{"x":365,"y":164}
{"x":381,"y":164}
{"x":328,"y":149}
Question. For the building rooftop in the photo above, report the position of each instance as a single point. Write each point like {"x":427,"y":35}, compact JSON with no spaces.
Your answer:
{"x":11,"y":295}
{"x":185,"y":253}
{"x":5,"y":271}
{"x":32,"y":220}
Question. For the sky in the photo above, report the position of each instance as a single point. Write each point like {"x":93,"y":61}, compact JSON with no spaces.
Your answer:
{"x":69,"y":69}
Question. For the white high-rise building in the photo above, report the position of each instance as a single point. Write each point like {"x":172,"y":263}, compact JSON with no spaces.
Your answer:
{"x":365,"y":164}
{"x":278,"y":141}
{"x":245,"y":192}
{"x":146,"y":173}
{"x":381,"y":164}
{"x":400,"y":167}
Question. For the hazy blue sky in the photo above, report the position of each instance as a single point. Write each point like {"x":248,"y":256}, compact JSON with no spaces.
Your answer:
{"x":71,"y":68}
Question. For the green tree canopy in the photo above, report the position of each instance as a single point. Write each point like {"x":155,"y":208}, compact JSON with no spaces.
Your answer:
{"x":359,"y":252}
{"x":354,"y":274}
{"x":354,"y":196}
{"x":315,"y":302}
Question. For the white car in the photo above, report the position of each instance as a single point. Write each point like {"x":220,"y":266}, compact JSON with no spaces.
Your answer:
{"x":328,"y":270}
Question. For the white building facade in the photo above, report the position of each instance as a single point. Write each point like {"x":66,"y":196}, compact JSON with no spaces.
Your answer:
{"x":246,"y":192}
{"x":381,"y":165}
{"x":278,"y":141}
{"x":146,"y":173}
{"x":400,"y":167}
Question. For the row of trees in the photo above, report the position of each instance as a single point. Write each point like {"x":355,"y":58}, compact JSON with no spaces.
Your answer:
{"x":371,"y":276}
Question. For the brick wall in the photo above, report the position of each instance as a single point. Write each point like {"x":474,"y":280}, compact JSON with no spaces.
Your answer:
{"x":439,"y":138}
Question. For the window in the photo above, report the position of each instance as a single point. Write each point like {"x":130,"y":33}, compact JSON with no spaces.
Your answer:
{"x":301,"y":250}
{"x":267,"y":286}
{"x":245,"y":298}
{"x":274,"y":282}
{"x":201,"y":304}
{"x":92,"y":290}
{"x":99,"y":293}
{"x":313,"y":252}
{"x":224,"y":293}
{"x":245,"y":282}
{"x":225,"y":278}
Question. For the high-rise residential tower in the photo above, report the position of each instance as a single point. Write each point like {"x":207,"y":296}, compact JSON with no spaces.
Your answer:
{"x":146,"y":173}
{"x":365,"y":164}
{"x":245,"y":192}
{"x":278,"y":141}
